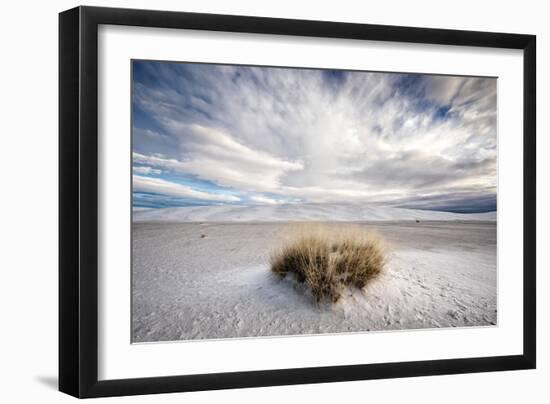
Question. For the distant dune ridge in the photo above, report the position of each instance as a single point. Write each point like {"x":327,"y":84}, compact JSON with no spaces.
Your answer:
{"x":298,"y":212}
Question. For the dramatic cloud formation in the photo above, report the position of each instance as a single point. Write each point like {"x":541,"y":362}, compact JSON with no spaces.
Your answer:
{"x":205,"y":134}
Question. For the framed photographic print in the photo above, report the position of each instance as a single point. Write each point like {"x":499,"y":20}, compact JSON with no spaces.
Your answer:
{"x":251,"y":201}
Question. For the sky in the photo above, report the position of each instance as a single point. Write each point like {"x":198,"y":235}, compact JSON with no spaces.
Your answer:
{"x":207,"y":134}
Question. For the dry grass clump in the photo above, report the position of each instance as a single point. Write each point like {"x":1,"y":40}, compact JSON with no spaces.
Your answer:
{"x":328,"y":258}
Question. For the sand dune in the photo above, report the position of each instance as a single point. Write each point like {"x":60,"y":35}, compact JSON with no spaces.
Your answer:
{"x":203,"y":272}
{"x":298,"y":212}
{"x":212,"y":280}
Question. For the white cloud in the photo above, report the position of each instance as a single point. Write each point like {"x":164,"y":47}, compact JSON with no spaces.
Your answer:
{"x":167,"y":188}
{"x":145,"y":170}
{"x":215,"y":156}
{"x":264,"y":200}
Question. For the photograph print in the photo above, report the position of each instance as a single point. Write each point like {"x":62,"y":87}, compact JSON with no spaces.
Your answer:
{"x":278,"y":201}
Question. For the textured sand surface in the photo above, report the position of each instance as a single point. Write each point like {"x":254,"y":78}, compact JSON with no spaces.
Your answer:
{"x":212,"y":280}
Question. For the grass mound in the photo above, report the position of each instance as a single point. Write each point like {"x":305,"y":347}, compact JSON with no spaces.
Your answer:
{"x":329,"y":258}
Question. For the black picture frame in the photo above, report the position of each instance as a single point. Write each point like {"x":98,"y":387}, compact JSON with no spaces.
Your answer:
{"x":78,"y":201}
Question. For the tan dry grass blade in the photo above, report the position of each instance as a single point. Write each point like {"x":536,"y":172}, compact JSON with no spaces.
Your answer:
{"x":327,"y":258}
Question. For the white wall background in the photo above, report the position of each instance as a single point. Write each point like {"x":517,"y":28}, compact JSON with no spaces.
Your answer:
{"x":28,"y":201}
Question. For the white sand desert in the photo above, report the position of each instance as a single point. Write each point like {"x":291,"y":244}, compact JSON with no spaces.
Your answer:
{"x":203,"y":273}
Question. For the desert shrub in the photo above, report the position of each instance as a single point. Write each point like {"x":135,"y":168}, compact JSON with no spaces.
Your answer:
{"x":328,"y":258}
